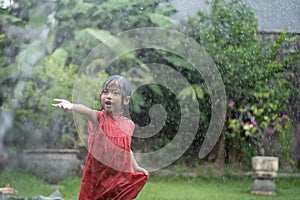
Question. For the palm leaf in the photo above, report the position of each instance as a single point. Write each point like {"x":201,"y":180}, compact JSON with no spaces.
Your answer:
{"x":161,"y":20}
{"x":6,"y":73}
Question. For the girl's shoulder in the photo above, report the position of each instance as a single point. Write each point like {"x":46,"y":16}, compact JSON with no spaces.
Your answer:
{"x":129,"y":121}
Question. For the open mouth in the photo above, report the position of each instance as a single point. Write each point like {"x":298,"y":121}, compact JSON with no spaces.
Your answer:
{"x":109,"y":103}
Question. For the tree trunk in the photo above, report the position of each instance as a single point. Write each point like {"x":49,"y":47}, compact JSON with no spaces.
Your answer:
{"x":217,"y":155}
{"x":294,"y":105}
{"x":295,"y":138}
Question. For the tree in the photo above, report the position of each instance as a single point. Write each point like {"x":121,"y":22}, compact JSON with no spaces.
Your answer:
{"x":58,"y":35}
{"x":248,"y":64}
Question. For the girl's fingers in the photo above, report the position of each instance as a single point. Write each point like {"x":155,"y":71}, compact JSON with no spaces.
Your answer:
{"x":146,"y":172}
{"x":58,"y":100}
{"x":59,"y":103}
{"x":56,"y":105}
{"x":60,"y":106}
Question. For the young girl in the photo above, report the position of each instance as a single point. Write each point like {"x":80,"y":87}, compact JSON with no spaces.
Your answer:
{"x":111,"y":171}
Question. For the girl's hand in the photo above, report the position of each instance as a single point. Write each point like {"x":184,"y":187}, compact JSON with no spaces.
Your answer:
{"x":63,"y":104}
{"x":142,"y":170}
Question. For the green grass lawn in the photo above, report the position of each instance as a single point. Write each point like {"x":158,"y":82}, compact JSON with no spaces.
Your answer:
{"x":214,"y":188}
{"x":159,"y":188}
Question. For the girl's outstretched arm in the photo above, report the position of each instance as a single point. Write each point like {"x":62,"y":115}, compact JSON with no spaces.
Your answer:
{"x":136,"y":167}
{"x":79,"y":108}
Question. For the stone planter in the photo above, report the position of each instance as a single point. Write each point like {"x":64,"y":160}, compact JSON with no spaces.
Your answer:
{"x":51,"y":164}
{"x":265,"y":171}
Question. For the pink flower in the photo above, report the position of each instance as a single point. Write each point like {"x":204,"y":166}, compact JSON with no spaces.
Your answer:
{"x":252,"y":122}
{"x":284,"y":116}
{"x":231,"y":104}
{"x":270,"y":131}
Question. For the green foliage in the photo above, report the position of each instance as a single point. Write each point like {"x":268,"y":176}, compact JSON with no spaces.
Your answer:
{"x":6,"y":68}
{"x":32,"y":98}
{"x":161,"y":20}
{"x":4,"y":72}
{"x":45,"y":83}
{"x":249,"y":65}
{"x":285,"y":132}
{"x":258,"y":123}
{"x":229,"y":34}
{"x":45,"y":67}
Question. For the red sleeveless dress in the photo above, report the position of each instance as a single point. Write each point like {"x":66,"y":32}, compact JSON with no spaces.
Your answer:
{"x":108,"y":173}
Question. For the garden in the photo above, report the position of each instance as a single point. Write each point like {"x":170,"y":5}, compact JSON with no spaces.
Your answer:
{"x":208,"y":186}
{"x":212,"y":96}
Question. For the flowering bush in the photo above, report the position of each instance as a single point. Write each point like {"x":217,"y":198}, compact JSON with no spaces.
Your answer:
{"x":259,"y":122}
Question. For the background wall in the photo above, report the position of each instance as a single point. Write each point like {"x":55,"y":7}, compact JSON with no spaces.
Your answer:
{"x":272,"y":15}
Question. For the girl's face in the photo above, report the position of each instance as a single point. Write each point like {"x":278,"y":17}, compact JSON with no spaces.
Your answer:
{"x":111,"y":99}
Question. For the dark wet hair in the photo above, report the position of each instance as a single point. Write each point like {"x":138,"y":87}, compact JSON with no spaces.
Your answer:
{"x":118,"y":80}
{"x":124,"y":85}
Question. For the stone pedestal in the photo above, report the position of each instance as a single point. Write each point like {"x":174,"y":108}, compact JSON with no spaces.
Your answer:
{"x":51,"y":164}
{"x":265,"y":171}
{"x":263,"y":187}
